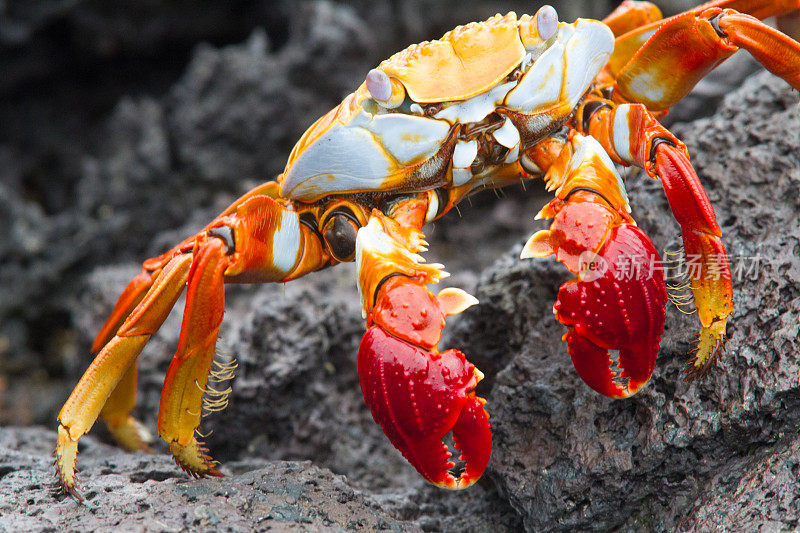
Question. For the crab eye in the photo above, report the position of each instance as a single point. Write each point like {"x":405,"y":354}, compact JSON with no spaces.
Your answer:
{"x":379,"y":85}
{"x":340,"y":233}
{"x":387,"y":92}
{"x":546,"y":21}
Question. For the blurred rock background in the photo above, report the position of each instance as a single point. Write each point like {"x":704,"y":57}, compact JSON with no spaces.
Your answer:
{"x":126,"y":126}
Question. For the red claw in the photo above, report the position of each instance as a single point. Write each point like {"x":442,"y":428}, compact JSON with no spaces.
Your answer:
{"x":418,"y":396}
{"x":619,"y":305}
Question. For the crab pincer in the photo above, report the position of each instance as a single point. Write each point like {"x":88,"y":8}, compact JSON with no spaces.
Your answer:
{"x":619,"y":306}
{"x":617,"y":300}
{"x":415,"y":393}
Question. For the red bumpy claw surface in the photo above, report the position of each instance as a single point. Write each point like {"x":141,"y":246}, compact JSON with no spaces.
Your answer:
{"x":619,"y":308}
{"x":417,"y":394}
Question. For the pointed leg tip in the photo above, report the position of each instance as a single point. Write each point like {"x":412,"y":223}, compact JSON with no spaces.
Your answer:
{"x":66,"y":453}
{"x":710,"y":347}
{"x":194,"y":459}
{"x":67,"y":485}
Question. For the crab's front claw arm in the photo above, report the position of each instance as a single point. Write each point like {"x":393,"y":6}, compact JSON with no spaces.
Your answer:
{"x":633,"y":136}
{"x":417,"y":394}
{"x":617,"y":300}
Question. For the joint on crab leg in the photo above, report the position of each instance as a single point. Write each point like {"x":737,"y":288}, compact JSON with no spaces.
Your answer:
{"x":777,"y":52}
{"x":415,"y":393}
{"x":260,"y":241}
{"x":179,"y":412}
{"x":711,"y":282}
{"x":256,"y":239}
{"x":617,"y":300}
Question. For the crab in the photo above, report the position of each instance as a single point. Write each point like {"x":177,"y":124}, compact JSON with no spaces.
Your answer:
{"x":486,"y":105}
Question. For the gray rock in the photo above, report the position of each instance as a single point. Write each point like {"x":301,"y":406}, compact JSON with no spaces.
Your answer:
{"x":148,"y":493}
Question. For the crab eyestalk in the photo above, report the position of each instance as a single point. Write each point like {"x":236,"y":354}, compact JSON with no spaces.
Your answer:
{"x":416,"y":393}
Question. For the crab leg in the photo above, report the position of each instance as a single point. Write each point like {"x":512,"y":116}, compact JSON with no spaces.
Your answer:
{"x":631,"y":15}
{"x":617,"y":300}
{"x":688,"y":46}
{"x":127,"y":431}
{"x":124,"y":428}
{"x":415,"y":392}
{"x":260,"y":240}
{"x":185,"y":383}
{"x":256,"y":239}
{"x":633,"y":136}
{"x":84,"y":404}
{"x":628,"y":44}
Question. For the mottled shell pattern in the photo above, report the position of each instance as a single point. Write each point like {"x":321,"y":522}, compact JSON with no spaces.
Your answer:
{"x":399,"y":132}
{"x":465,"y":61}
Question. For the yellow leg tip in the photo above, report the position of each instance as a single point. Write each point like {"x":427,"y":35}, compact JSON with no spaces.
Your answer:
{"x":710,"y":345}
{"x":66,"y":456}
{"x":194,"y":459}
{"x":131,"y":435}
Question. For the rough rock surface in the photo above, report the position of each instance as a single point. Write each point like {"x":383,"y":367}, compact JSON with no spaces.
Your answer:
{"x":162,"y":161}
{"x":139,"y":493}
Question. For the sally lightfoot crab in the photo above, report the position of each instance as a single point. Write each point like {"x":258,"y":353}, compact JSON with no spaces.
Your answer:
{"x":486,"y":105}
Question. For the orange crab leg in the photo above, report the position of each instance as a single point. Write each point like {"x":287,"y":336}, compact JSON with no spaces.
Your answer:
{"x":84,"y":404}
{"x":256,"y":239}
{"x":628,"y":44}
{"x":415,"y":392}
{"x":185,"y":383}
{"x":688,"y":46}
{"x":126,"y":430}
{"x":709,"y":271}
{"x":126,"y":303}
{"x":632,"y":136}
{"x":777,"y":52}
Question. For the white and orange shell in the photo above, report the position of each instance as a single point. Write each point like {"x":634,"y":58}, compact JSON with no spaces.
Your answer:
{"x":456,"y":67}
{"x":364,"y":145}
